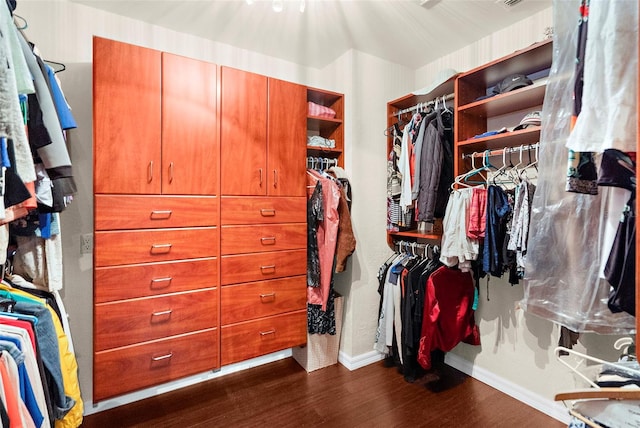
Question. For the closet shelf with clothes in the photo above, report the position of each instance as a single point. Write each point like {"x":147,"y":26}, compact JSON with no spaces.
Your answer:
{"x":325,"y":124}
{"x":419,"y":164}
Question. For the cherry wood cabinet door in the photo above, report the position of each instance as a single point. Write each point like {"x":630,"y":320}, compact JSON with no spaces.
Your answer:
{"x":243,"y":133}
{"x":287,"y":142}
{"x":126,"y":118}
{"x":189,"y":129}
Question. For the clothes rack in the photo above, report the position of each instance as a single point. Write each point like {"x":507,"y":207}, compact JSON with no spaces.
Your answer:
{"x":496,"y":152}
{"x":421,"y":105}
{"x":320,"y":163}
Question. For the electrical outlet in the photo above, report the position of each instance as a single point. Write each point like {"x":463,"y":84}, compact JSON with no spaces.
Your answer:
{"x":86,"y":243}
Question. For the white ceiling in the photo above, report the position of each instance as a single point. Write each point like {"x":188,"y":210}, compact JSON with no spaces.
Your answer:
{"x":400,"y":31}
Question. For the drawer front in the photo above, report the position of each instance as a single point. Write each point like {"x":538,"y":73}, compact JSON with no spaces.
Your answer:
{"x":260,"y":210}
{"x":266,"y":237}
{"x":139,"y":320}
{"x":152,"y":279}
{"x":262,"y":266}
{"x":251,"y":339}
{"x":149,"y":212}
{"x":128,"y":369}
{"x":148,"y":245}
{"x":261,"y":299}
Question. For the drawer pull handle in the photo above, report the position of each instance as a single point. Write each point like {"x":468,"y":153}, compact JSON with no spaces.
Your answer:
{"x":268,"y":240}
{"x":162,"y":357}
{"x":265,"y":295}
{"x":268,"y":332}
{"x":160,"y":214}
{"x":267,"y":212}
{"x":158,"y":283}
{"x":165,"y":314}
{"x":271,"y":268}
{"x":160,"y":248}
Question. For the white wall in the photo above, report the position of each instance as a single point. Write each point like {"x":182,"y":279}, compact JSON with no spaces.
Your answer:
{"x":516,"y":347}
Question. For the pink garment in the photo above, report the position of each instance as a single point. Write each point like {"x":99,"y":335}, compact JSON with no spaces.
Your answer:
{"x":477,"y":213}
{"x":327,"y":238}
{"x":321,"y":111}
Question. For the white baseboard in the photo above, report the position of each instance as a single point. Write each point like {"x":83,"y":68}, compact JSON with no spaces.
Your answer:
{"x":549,"y":407}
{"x":354,"y":363}
{"x":90,"y":407}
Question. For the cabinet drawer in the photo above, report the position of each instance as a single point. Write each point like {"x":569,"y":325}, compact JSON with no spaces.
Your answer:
{"x":261,"y":266}
{"x":151,"y":279}
{"x":127,"y":369}
{"x":262,"y":336}
{"x":149,"y":212}
{"x":260,"y":299}
{"x":255,"y":210}
{"x":149,"y":245}
{"x":138,"y":320}
{"x":266,"y":237}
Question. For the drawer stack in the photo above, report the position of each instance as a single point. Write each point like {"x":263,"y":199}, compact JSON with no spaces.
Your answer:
{"x":263,"y":263}
{"x":155,"y":290}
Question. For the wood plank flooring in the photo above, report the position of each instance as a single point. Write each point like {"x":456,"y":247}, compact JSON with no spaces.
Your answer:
{"x":282,"y":394}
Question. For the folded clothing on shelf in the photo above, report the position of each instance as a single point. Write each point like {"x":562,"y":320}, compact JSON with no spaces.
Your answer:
{"x":318,"y":141}
{"x":321,"y":111}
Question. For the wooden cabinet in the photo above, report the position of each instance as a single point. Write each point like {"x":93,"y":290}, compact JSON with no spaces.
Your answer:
{"x":262,"y":135}
{"x":155,"y":126}
{"x":326,"y":127}
{"x":156,"y":218}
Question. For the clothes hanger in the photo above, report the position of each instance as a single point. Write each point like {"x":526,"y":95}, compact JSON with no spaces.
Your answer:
{"x":444,"y":104}
{"x":57,"y":66}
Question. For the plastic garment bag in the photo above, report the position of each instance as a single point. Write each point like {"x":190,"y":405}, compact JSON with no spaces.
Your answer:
{"x":562,"y":281}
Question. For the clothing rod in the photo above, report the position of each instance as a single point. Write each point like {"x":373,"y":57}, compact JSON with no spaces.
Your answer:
{"x":496,"y":152}
{"x":447,"y":97}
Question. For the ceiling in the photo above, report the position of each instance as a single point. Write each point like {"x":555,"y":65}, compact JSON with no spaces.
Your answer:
{"x":400,"y":31}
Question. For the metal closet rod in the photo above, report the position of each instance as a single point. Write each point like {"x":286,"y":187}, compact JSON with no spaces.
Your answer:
{"x":447,"y":97}
{"x":496,"y":152}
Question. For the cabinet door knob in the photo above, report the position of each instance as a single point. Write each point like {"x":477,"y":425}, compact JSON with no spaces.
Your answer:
{"x":161,"y":316}
{"x":160,"y":248}
{"x":268,"y":332}
{"x":158,"y":283}
{"x":150,"y":172}
{"x":160,"y":214}
{"x":267,"y":212}
{"x":165,"y":357}
{"x":271,"y":268}
{"x":268,"y":240}
{"x":171,"y":172}
{"x":268,"y":295}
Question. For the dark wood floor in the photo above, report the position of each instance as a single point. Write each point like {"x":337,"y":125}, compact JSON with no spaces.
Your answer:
{"x":282,"y":394}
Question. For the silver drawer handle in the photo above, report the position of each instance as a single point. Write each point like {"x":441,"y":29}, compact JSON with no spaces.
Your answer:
{"x":267,"y":212}
{"x":160,"y":248}
{"x":158,"y":283}
{"x":264,"y":296}
{"x":165,"y":314}
{"x":162,"y":357}
{"x":268,"y":240}
{"x":160,"y":214}
{"x":270,"y":267}
{"x":266,"y":333}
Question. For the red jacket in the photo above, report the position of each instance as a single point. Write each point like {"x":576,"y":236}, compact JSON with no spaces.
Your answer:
{"x":448,"y":315}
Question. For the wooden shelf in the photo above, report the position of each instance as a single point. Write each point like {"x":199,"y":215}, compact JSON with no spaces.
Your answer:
{"x":520,"y":99}
{"x":418,"y":235}
{"x":528,"y":135}
{"x":326,"y":127}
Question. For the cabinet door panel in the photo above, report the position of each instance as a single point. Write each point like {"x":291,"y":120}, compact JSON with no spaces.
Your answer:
{"x":189,"y":131}
{"x":243,"y":133}
{"x":154,"y":245}
{"x":132,"y":321}
{"x":152,"y":363}
{"x":262,"y":336}
{"x":287,"y":145}
{"x":126,"y":112}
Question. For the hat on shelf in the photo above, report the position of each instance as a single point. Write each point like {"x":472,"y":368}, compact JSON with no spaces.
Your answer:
{"x":443,"y":76}
{"x":512,"y":82}
{"x":531,"y":119}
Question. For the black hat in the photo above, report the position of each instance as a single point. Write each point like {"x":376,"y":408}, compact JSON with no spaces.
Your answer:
{"x":512,"y":82}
